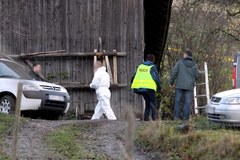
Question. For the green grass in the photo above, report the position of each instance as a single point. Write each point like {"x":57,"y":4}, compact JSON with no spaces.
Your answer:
{"x":69,"y":142}
{"x":6,"y":126}
{"x":203,"y":141}
{"x":6,"y":123}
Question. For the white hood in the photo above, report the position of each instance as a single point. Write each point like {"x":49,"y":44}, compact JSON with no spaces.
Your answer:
{"x":101,"y":79}
{"x":229,"y":93}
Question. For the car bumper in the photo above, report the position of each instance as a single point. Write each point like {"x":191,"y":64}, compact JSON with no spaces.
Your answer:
{"x":224,"y":114}
{"x":39,"y":100}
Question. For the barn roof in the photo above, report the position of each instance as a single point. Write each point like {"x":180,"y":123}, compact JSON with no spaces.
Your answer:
{"x":157,"y":16}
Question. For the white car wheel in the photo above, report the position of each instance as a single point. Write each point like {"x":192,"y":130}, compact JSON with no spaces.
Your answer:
{"x":7,"y":104}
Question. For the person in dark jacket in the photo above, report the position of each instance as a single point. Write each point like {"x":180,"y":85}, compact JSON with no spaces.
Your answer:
{"x":185,"y":73}
{"x":36,"y":73}
{"x":146,"y":82}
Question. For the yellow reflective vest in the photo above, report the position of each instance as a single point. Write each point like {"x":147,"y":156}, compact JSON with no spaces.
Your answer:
{"x":143,"y":78}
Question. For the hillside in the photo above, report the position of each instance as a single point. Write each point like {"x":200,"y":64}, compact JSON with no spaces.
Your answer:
{"x":62,"y":140}
{"x":75,"y":139}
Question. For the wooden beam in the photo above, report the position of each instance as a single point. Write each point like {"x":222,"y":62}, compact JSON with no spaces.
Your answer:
{"x":42,"y":53}
{"x":61,"y":54}
{"x":23,"y":55}
{"x":115,"y":69}
{"x":29,"y":63}
{"x":109,"y":70}
{"x":6,"y":56}
{"x":77,"y":85}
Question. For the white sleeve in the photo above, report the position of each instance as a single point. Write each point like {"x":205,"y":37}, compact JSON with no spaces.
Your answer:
{"x":95,"y":81}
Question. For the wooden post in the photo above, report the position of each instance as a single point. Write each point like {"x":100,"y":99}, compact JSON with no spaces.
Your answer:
{"x":17,"y":121}
{"x":95,"y":58}
{"x":104,"y":60}
{"x":109,"y":70}
{"x":100,"y":49}
{"x":129,"y":137}
{"x":115,"y":69}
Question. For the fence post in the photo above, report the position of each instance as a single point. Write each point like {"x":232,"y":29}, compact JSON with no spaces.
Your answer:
{"x":129,"y":137}
{"x":17,"y":121}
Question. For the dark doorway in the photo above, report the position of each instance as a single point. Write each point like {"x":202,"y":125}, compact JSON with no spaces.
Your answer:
{"x":157,"y":16}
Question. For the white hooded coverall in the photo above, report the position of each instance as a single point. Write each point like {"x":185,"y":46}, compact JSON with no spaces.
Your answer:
{"x":101,"y":83}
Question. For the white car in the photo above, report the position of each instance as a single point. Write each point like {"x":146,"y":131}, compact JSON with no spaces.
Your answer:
{"x":224,"y":108}
{"x":49,"y":99}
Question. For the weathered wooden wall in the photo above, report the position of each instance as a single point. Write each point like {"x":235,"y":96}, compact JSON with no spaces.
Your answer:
{"x":74,"y":25}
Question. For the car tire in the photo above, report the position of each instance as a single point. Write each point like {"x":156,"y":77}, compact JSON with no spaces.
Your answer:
{"x":8,"y":100}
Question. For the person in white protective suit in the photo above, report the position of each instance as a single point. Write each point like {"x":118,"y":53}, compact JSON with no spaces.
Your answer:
{"x":101,"y":83}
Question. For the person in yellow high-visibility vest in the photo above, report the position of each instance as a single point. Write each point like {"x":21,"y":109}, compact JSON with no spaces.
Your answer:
{"x":146,"y":82}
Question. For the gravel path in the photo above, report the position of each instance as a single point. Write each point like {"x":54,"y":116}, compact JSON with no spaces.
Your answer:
{"x":31,"y":145}
{"x":105,"y":137}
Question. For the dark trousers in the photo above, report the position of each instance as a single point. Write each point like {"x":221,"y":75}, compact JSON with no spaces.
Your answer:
{"x":181,"y":94}
{"x":151,"y":105}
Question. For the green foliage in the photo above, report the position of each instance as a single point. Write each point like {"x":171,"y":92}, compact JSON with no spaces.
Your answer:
{"x":62,"y":141}
{"x":203,"y":141}
{"x":67,"y":142}
{"x":6,"y":123}
{"x":69,"y":116}
{"x":64,"y":75}
{"x":201,"y":123}
{"x":166,"y":100}
{"x":51,"y":76}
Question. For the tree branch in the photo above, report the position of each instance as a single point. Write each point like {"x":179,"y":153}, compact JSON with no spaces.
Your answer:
{"x":232,"y":14}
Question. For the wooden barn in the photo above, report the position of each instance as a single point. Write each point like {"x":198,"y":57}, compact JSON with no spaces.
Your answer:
{"x":63,"y":34}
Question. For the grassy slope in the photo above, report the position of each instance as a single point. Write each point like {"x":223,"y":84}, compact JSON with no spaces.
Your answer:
{"x":204,"y":141}
{"x":69,"y":142}
{"x":6,"y":125}
{"x":6,"y":122}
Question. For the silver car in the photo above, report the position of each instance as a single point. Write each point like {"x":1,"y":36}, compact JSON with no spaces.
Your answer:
{"x":224,"y":108}
{"x":47,"y":98}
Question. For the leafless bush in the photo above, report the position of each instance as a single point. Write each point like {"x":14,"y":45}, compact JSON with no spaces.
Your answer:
{"x":210,"y":32}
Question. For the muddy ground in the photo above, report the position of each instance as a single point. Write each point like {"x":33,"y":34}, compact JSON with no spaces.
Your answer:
{"x":103,"y":136}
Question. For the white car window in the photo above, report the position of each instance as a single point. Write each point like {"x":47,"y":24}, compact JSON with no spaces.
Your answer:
{"x":5,"y":71}
{"x":13,"y":70}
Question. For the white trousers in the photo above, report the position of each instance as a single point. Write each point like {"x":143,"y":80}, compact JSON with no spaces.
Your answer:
{"x":103,"y":105}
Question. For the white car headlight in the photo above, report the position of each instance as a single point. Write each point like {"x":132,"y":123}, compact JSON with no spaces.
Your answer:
{"x":30,"y":87}
{"x":232,"y":100}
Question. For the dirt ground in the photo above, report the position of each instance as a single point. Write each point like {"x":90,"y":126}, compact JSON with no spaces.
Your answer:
{"x":105,"y":137}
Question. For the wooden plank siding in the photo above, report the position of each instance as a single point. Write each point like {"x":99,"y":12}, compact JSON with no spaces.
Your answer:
{"x":28,"y":26}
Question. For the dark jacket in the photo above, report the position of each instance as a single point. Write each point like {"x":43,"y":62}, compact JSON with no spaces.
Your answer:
{"x":155,"y":77}
{"x":35,"y":76}
{"x":185,"y":73}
